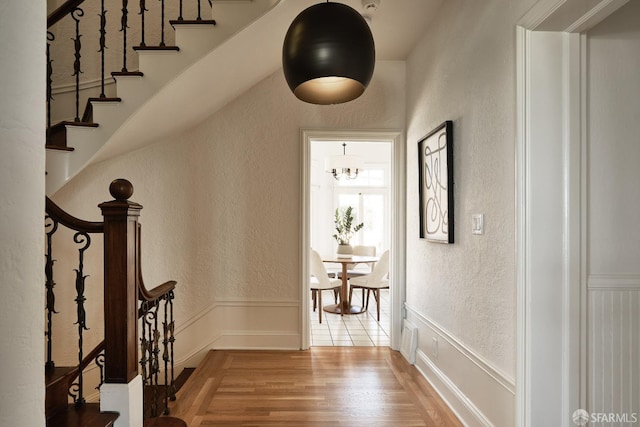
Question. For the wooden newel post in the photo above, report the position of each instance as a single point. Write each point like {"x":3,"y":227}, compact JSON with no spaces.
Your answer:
{"x":120,"y":290}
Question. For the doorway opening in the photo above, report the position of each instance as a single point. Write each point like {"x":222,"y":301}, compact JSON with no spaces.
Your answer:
{"x":374,"y":197}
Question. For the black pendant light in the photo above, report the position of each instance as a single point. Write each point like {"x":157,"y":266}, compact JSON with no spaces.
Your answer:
{"x":328,"y":54}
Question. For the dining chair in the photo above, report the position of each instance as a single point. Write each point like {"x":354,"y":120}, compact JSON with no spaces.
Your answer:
{"x":354,"y":270}
{"x":373,"y":282}
{"x":320,"y":281}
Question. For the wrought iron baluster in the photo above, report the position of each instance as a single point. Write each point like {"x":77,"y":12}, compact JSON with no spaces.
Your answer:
{"x":199,"y":14}
{"x":144,"y":353}
{"x":165,"y":355}
{"x":144,"y":344}
{"x":83,"y":239}
{"x":123,"y":29}
{"x":52,"y":225}
{"x":180,"y":12}
{"x":143,"y":9}
{"x":156,"y":354}
{"x":103,"y":45}
{"x":76,"y":15}
{"x":162,"y":23}
{"x":50,"y":38}
{"x":165,"y":358}
{"x":172,"y":340}
{"x":149,"y":310}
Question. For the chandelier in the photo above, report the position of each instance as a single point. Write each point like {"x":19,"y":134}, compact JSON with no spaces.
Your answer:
{"x":343,"y":166}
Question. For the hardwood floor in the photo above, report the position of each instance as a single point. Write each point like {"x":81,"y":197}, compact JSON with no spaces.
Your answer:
{"x":324,"y":386}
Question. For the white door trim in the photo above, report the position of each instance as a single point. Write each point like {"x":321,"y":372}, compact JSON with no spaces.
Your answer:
{"x":398,"y":220}
{"x":550,"y":264}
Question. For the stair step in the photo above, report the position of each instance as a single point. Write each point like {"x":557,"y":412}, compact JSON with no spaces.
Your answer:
{"x":87,"y":117}
{"x":56,"y":147}
{"x":57,"y":134}
{"x":115,"y":74}
{"x":87,"y":416}
{"x":156,"y":48}
{"x":57,"y":383}
{"x":175,"y":22}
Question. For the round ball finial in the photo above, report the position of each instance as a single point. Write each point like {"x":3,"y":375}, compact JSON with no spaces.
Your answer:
{"x":121,"y":189}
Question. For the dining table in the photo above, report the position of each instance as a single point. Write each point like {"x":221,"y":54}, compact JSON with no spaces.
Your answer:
{"x":343,"y":307}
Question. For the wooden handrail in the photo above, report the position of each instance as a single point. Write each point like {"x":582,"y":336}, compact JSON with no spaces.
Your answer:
{"x":92,"y":355}
{"x":62,"y":11}
{"x":158,"y":292}
{"x":70,"y":221}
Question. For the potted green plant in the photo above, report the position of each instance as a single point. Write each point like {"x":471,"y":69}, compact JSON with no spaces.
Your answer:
{"x":345,"y":229}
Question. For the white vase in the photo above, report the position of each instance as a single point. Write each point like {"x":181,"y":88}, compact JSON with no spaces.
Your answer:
{"x":344,"y":250}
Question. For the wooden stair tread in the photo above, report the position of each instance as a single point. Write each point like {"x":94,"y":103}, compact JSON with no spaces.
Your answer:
{"x":87,"y":416}
{"x":57,"y":134}
{"x":81,"y":124}
{"x":73,"y":123}
{"x":105,"y":99}
{"x":175,"y":22}
{"x":57,"y":147}
{"x":127,"y":73}
{"x":156,"y":48}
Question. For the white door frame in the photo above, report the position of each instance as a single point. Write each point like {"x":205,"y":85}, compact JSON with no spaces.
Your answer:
{"x":397,"y":220}
{"x":551,"y":120}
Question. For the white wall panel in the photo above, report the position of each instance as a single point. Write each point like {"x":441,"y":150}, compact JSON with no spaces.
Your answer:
{"x":614,"y":348}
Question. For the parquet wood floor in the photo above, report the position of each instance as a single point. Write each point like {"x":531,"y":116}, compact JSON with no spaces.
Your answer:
{"x":324,"y":386}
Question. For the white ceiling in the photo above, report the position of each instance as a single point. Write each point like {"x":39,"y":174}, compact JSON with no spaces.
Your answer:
{"x":398,"y":24}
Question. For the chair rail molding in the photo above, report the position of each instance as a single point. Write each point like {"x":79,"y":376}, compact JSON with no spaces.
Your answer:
{"x":479,"y":393}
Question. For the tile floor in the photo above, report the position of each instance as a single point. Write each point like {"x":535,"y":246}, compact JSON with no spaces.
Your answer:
{"x":353,"y":330}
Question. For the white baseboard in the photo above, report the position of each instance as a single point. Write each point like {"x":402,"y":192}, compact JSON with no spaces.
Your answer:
{"x":238,"y":324}
{"x":478,"y":393}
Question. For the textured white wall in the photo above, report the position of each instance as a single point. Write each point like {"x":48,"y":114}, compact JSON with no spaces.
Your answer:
{"x":463,"y":70}
{"x":22,"y":128}
{"x":222,"y":203}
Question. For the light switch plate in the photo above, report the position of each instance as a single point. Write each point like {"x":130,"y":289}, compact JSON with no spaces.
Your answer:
{"x":477,"y":221}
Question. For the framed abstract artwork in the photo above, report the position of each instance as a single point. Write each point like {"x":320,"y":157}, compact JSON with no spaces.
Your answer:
{"x":435,"y":156}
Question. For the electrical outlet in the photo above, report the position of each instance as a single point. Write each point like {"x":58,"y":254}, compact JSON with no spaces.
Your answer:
{"x":434,"y":348}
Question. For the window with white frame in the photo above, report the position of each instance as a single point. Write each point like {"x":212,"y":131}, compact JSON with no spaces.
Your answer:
{"x":368,"y":194}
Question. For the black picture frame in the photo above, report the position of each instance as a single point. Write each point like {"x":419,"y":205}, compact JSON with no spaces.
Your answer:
{"x":435,"y":158}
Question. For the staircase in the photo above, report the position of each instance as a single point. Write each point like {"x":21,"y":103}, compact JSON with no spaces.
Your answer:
{"x":138,"y":339}
{"x":149,"y":94}
{"x":129,"y":108}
